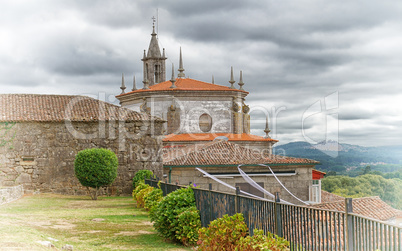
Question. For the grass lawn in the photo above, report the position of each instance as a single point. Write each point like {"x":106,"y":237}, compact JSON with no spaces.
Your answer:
{"x":118,"y":225}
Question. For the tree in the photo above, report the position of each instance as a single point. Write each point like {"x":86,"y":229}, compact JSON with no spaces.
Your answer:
{"x":96,"y":167}
{"x":367,"y":170}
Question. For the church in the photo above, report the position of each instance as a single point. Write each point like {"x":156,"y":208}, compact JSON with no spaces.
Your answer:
{"x":195,"y":111}
{"x":208,"y":126}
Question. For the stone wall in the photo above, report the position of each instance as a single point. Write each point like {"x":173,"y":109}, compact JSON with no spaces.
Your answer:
{"x":40,"y":155}
{"x":8,"y":194}
{"x":297,"y":184}
{"x":191,"y":108}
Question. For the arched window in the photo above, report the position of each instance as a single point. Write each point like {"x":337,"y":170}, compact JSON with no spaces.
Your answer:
{"x":156,"y":73}
{"x":205,"y":122}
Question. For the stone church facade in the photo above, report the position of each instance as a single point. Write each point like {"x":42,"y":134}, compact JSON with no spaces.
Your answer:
{"x":41,"y":134}
{"x":208,"y":126}
{"x":193,"y":109}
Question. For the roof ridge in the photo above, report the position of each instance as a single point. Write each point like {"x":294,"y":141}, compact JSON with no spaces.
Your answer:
{"x":55,"y":107}
{"x":189,"y":84}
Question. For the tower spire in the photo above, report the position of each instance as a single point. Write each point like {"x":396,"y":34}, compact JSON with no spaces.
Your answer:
{"x":122,"y":87}
{"x":154,"y":61}
{"x":231,"y":81}
{"x":213,"y":79}
{"x":181,"y":69}
{"x":134,"y":85}
{"x":267,"y":130}
{"x":241,"y":83}
{"x":173,"y":78}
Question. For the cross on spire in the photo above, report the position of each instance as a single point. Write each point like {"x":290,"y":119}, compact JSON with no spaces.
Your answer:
{"x":153,"y":20}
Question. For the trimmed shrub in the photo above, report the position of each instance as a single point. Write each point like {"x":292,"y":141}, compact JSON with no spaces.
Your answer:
{"x":95,"y":168}
{"x":140,"y":177}
{"x":223,"y":233}
{"x":168,"y":210}
{"x":142,"y":194}
{"x":187,"y":225}
{"x":259,"y":241}
{"x":151,"y":202}
{"x":231,"y":233}
{"x":138,"y":190}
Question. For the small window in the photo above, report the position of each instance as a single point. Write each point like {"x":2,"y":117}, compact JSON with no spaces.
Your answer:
{"x":28,"y":159}
{"x":205,"y":122}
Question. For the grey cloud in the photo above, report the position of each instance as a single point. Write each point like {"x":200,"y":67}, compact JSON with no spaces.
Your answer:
{"x":292,"y":53}
{"x":356,"y":114}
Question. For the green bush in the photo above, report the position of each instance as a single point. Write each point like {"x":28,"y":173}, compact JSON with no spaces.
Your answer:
{"x":139,"y":190}
{"x":95,"y":168}
{"x":140,"y":176}
{"x":260,"y":242}
{"x":223,"y":233}
{"x":142,"y":194}
{"x":151,"y":202}
{"x":168,"y":210}
{"x":231,"y":233}
{"x":187,"y":225}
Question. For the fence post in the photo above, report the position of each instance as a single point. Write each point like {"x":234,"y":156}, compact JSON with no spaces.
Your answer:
{"x":349,"y":224}
{"x":237,"y":204}
{"x":278,"y":215}
{"x":211,"y":204}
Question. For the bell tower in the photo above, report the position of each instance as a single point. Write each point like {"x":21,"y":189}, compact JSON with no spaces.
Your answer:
{"x":154,"y":63}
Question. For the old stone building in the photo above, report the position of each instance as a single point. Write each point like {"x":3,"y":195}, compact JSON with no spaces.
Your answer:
{"x":195,"y":111}
{"x":41,"y":134}
{"x":198,"y":115}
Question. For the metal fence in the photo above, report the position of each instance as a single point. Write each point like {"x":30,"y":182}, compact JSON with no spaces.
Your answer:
{"x":305,"y":228}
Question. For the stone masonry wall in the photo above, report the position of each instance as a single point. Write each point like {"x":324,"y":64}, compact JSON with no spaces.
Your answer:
{"x":8,"y":194}
{"x":40,"y":155}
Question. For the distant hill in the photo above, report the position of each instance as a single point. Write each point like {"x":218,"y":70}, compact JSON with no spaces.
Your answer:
{"x":344,"y":158}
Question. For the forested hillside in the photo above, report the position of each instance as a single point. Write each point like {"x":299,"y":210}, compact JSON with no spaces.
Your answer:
{"x":346,"y":159}
{"x":389,"y":190}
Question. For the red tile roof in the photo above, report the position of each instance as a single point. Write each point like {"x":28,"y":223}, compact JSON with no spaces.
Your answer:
{"x":372,"y":207}
{"x":184,"y":84}
{"x":212,"y":136}
{"x":329,"y":197}
{"x":57,"y":108}
{"x":220,"y":152}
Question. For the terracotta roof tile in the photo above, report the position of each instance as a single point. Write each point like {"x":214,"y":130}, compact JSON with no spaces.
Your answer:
{"x":372,"y":207}
{"x":220,"y":152}
{"x":212,"y":136}
{"x":184,"y":84}
{"x":330,"y":197}
{"x":56,"y":108}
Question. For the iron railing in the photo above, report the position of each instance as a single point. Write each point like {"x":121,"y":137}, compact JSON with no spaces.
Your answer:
{"x":304,"y":227}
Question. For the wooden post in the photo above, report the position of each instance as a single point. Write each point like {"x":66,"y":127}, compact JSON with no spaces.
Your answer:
{"x":278,"y":215}
{"x":211,"y":203}
{"x":237,"y":204}
{"x":349,"y":224}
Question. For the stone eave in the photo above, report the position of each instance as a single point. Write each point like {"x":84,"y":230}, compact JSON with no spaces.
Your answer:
{"x":306,"y":165}
{"x":126,"y":97}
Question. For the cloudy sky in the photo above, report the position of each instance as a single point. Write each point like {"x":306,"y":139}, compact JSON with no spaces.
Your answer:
{"x":321,"y":69}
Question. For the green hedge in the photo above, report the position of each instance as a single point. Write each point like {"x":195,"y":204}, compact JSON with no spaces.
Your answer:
{"x":171,"y":217}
